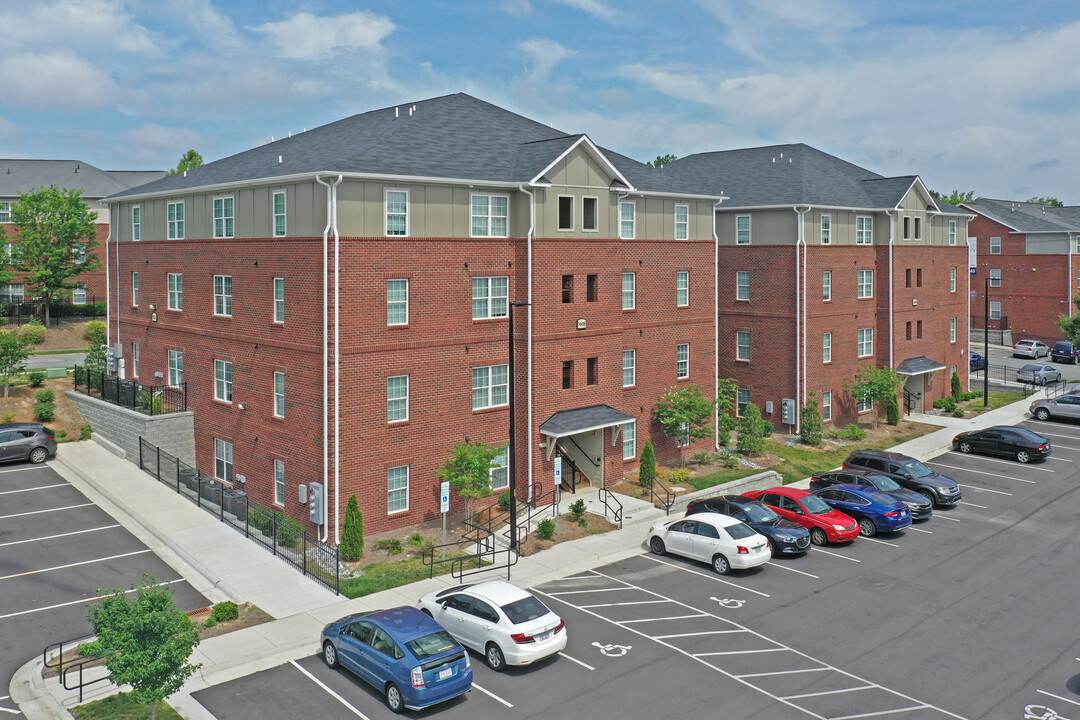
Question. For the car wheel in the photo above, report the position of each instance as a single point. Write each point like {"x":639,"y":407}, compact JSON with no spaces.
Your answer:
{"x":1023,"y":456}
{"x":39,"y":455}
{"x":818,"y":536}
{"x":964,"y":446}
{"x":329,"y":655}
{"x":867,"y":528}
{"x":721,"y":565}
{"x":1042,"y":414}
{"x":394,"y":701}
{"x":494,"y":656}
{"x":426,"y":611}
{"x":929,"y":496}
{"x":657,"y":546}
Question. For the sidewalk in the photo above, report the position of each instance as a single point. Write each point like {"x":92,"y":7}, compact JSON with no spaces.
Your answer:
{"x":223,"y":565}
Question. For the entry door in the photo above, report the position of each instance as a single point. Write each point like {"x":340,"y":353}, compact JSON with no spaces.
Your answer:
{"x":914,"y":386}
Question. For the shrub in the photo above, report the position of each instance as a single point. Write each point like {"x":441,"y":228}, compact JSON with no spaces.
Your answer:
{"x":9,"y":417}
{"x":94,"y":332}
{"x":288,"y":530}
{"x":504,"y":501}
{"x":85,"y":431}
{"x":223,"y":611}
{"x":210,"y":622}
{"x":577,"y":510}
{"x":34,"y":331}
{"x":730,"y":461}
{"x":647,"y":473}
{"x":37,"y":378}
{"x":810,"y":427}
{"x":679,"y":475}
{"x":751,"y":436}
{"x":61,"y":434}
{"x":948,"y":404}
{"x":852,"y":431}
{"x":44,"y":396}
{"x":957,"y":388}
{"x":44,"y":412}
{"x":351,"y":547}
{"x":703,"y":458}
{"x":892,"y":412}
{"x":89,"y":648}
{"x":545,"y":530}
{"x":149,"y":401}
{"x":958,"y":413}
{"x":392,"y":546}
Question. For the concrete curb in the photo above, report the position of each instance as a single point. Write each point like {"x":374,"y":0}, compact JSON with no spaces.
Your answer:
{"x":28,"y":692}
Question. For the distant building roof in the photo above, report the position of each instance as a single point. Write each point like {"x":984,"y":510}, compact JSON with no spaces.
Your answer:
{"x":1025,"y":217}
{"x":19,"y":176}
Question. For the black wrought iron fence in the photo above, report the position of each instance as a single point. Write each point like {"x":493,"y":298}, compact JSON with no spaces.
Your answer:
{"x":1006,"y":378}
{"x":157,"y":399}
{"x":277,"y":532}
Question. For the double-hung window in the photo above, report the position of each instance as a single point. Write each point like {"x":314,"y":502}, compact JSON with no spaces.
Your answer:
{"x":176,"y":291}
{"x":866,"y":284}
{"x":866,"y":342}
{"x":176,"y":368}
{"x":742,"y":285}
{"x":397,"y":398}
{"x":826,"y":229}
{"x":135,"y":289}
{"x":826,"y":285}
{"x":864,"y":404}
{"x":952,"y":279}
{"x":279,"y":300}
{"x":489,"y":297}
{"x":490,"y":386}
{"x":397,"y":302}
{"x":742,"y":230}
{"x":223,"y":295}
{"x":5,"y":212}
{"x":952,"y":330}
{"x":279,"y":214}
{"x":952,"y":232}
{"x":826,"y":347}
{"x":682,"y":360}
{"x":490,"y":214}
{"x":742,"y":345}
{"x":995,"y":278}
{"x":629,"y":368}
{"x":826,"y":406}
{"x":279,"y":482}
{"x":864,"y":230}
{"x":682,"y":222}
{"x":223,"y":217}
{"x":223,"y":460}
{"x":742,"y":399}
{"x":174,"y":223}
{"x":78,"y":294}
{"x":627,"y":220}
{"x":397,"y":489}
{"x":682,"y":288}
{"x":279,"y":394}
{"x":223,"y":380}
{"x":995,"y":246}
{"x":995,"y":310}
{"x":629,"y":440}
{"x":135,"y":360}
{"x":78,"y":252}
{"x":136,"y":223}
{"x":500,"y":470}
{"x":629,"y":299}
{"x":397,"y":213}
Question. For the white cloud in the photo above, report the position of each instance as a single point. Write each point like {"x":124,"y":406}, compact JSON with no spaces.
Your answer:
{"x":758,"y":26}
{"x":304,"y":36}
{"x":88,"y":24}
{"x":593,"y":7}
{"x":157,"y":144}
{"x":56,"y":81}
{"x":516,"y":7}
{"x":9,"y":131}
{"x":545,"y":54}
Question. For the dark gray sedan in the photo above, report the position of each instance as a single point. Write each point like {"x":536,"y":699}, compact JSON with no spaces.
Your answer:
{"x":20,"y":442}
{"x":1038,"y":374}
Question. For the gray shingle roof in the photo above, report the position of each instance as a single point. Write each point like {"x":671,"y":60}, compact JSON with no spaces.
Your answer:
{"x":918,"y":366}
{"x":19,"y":176}
{"x":592,"y":417}
{"x":1028,"y":217}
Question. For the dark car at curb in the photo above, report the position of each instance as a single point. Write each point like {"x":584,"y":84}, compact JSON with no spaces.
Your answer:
{"x":787,"y":537}
{"x":920,"y":506}
{"x":1005,"y":441}
{"x":908,"y":472}
{"x":1065,"y":351}
{"x":20,"y":441}
{"x":976,"y":362}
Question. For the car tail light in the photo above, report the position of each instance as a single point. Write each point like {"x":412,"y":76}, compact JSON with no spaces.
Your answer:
{"x":468,"y":662}
{"x":556,"y":631}
{"x":51,"y":436}
{"x":418,"y":677}
{"x":522,"y":638}
{"x":894,"y":513}
{"x":1044,"y":446}
{"x":743,"y":550}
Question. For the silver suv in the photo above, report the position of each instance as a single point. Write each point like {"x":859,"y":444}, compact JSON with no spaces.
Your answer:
{"x":26,"y":441}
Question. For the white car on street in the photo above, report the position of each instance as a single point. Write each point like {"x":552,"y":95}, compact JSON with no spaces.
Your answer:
{"x":502,"y":621}
{"x":1034,"y":349}
{"x":720,"y":540}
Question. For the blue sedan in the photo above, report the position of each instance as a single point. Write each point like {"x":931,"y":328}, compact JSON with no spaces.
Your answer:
{"x":874,"y":511}
{"x":402,"y":653}
{"x":976,"y":361}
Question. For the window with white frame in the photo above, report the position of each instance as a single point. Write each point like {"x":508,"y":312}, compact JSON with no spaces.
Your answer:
{"x":279,"y":482}
{"x":489,"y":297}
{"x":918,"y":228}
{"x":176,"y":291}
{"x":5,"y":212}
{"x":742,"y":345}
{"x":952,"y":330}
{"x":629,"y":281}
{"x":864,"y":405}
{"x":174,"y":223}
{"x":1078,"y":278}
{"x":397,"y":302}
{"x":629,"y":440}
{"x":682,"y":288}
{"x":490,"y":215}
{"x":952,"y":232}
{"x":279,"y":214}
{"x":279,"y":300}
{"x":223,"y":295}
{"x":135,"y":289}
{"x":995,"y":310}
{"x":629,"y":368}
{"x":826,"y":347}
{"x":952,"y":279}
{"x":223,"y":460}
{"x":176,"y":368}
{"x":907,"y":228}
{"x":682,"y":439}
{"x":490,"y":386}
{"x":78,"y":252}
{"x":995,"y":246}
{"x":136,"y":223}
{"x":866,"y":284}
{"x":742,"y":399}
{"x":826,"y":285}
{"x":682,"y":360}
{"x":279,"y":394}
{"x":223,"y":380}
{"x":589,"y":221}
{"x":826,"y":406}
{"x":397,"y":213}
{"x":397,"y":489}
{"x":826,"y":229}
{"x":627,"y":220}
{"x":78,"y":295}
{"x":995,"y":278}
{"x":952,"y":370}
{"x":397,"y":398}
{"x":565,"y":219}
{"x":742,"y":285}
{"x":864,"y":230}
{"x":223,"y":217}
{"x":500,"y":470}
{"x":135,"y":359}
{"x":866,"y":342}
{"x":682,"y":222}
{"x":12,"y":293}
{"x":742,"y":230}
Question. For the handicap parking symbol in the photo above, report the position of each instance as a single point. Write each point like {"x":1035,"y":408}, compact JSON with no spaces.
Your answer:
{"x":728,"y":602}
{"x":612,"y":650}
{"x":1041,"y":712}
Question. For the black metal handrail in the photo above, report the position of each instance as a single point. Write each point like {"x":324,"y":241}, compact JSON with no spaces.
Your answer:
{"x":458,"y":564}
{"x":611,"y":504}
{"x":584,"y":454}
{"x":62,"y":668}
{"x":81,"y":666}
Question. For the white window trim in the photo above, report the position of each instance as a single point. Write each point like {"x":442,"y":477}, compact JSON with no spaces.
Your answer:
{"x":749,"y":230}
{"x":135,"y":289}
{"x":826,"y":296}
{"x":826,"y":348}
{"x":859,"y":285}
{"x":907,"y":227}
{"x":685,"y":374}
{"x":738,"y":287}
{"x":175,"y":371}
{"x":489,"y":315}
{"x":952,"y":330}
{"x":738,"y":403}
{"x":869,"y":233}
{"x":224,"y":218}
{"x":279,"y":482}
{"x":632,"y":434}
{"x":826,"y":229}
{"x":995,"y":282}
{"x":223,"y":368}
{"x":917,"y":229}
{"x":226,"y":297}
{"x":274,"y":214}
{"x":406,"y":321}
{"x":952,"y":232}
{"x":992,"y":304}
{"x":488,"y":401}
{"x":408,"y":478}
{"x":136,"y":225}
{"x":279,"y":398}
{"x":826,"y":407}
{"x":632,"y":220}
{"x":678,"y":275}
{"x":489,"y":196}
{"x":386,"y":211}
{"x":685,"y":224}
{"x":992,"y":239}
{"x":633,"y":291}
{"x":78,"y":294}
{"x":497,"y":465}
{"x":596,"y":213}
{"x":390,"y":399}
{"x":859,"y":342}
{"x":952,"y":279}
{"x":739,"y":348}
{"x":632,"y":367}
{"x":220,"y":444}
{"x":179,"y":293}
{"x":134,"y":359}
{"x":178,"y":225}
{"x":274,"y":304}
{"x":558,"y":205}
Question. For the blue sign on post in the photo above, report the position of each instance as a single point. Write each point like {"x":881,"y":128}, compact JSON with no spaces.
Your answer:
{"x":558,"y":470}
{"x":444,"y":496}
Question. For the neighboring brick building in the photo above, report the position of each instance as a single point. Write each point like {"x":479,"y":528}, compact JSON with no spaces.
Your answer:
{"x":413,"y":228}
{"x":22,"y":176}
{"x":825,"y":267}
{"x":1028,"y":252}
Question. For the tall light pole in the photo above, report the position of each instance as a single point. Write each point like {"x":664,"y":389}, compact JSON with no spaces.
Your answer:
{"x":513,"y":431}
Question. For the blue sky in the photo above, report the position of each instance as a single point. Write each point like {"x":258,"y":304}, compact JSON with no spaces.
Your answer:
{"x":971,"y":95}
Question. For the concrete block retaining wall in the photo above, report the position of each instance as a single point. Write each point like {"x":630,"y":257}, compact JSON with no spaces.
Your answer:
{"x":758,"y":481}
{"x":174,"y":433}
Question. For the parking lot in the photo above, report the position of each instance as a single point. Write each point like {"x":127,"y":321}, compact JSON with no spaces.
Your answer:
{"x":971,"y":614}
{"x":57,"y":550}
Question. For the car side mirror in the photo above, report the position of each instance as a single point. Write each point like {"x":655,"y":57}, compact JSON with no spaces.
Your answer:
{"x":798,"y":511}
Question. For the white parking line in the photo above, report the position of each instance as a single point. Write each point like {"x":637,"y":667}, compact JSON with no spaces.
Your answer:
{"x":78,"y":602}
{"x":884,"y":712}
{"x":829,"y":692}
{"x":781,"y":672}
{"x":1047,"y":434}
{"x":329,"y":691}
{"x":946,"y":517}
{"x":995,"y":460}
{"x":492,"y":695}
{"x":928,"y":532}
{"x":660,"y":619}
{"x":636,"y":602}
{"x":572,"y":659}
{"x":10,"y":710}
{"x":842,"y":557}
{"x":741,"y":652}
{"x":578,"y":592}
{"x":42,"y":487}
{"x":982,"y":489}
{"x":69,"y":565}
{"x":42,"y":512}
{"x":697,"y":634}
{"x":882,"y":542}
{"x":785,"y":567}
{"x":22,"y":469}
{"x":711,"y":577}
{"x":52,"y":537}
{"x":981,"y":507}
{"x":1057,"y":697}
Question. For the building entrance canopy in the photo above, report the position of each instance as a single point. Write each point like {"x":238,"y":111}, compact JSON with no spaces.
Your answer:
{"x":919,"y":366}
{"x":583,"y":419}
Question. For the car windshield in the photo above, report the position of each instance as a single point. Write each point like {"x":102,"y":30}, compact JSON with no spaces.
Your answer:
{"x":759,"y":513}
{"x":815,"y":505}
{"x":886,"y":484}
{"x":880,"y":499}
{"x":1031,"y":368}
{"x":917,"y":469}
{"x":524,"y":610}
{"x":740,"y":531}
{"x":431,"y":645}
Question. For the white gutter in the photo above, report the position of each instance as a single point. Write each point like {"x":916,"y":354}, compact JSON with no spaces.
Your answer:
{"x":326,"y":353}
{"x":1068,"y":280}
{"x":716,"y":328}
{"x":892,"y":235}
{"x":800,"y":316}
{"x":529,"y":331}
{"x":337,"y":373}
{"x":108,"y":287}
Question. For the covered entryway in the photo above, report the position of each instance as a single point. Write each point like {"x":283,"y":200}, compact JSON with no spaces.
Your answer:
{"x":577,"y":437}
{"x":917,"y":370}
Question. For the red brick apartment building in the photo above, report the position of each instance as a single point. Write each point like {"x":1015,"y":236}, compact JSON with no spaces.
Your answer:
{"x":22,"y":176}
{"x":825,"y":267}
{"x":339,"y":304}
{"x":1028,"y":252}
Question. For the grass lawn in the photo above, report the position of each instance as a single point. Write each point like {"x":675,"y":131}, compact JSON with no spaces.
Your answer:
{"x":996,"y":400}
{"x":122,"y":707}
{"x":385,"y":575}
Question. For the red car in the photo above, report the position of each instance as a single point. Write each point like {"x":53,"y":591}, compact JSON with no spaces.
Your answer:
{"x":810,"y":511}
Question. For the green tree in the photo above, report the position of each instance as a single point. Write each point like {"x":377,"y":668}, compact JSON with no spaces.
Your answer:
{"x":892,"y":411}
{"x":1045,"y":200}
{"x":685,"y":415}
{"x":875,"y":385}
{"x":56,"y":236}
{"x":351,"y":547}
{"x":647,"y":471}
{"x":14,"y":349}
{"x":810,"y":427}
{"x":189,"y":160}
{"x":1070,"y":324}
{"x":146,"y":639}
{"x":753,"y":429}
{"x":662,"y":160}
{"x":469,"y":470}
{"x":956,"y":386}
{"x":94,"y":332}
{"x":956,"y":197}
{"x":726,"y":406}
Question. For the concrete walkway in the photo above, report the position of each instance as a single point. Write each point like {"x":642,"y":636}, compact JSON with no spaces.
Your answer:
{"x":222,"y":564}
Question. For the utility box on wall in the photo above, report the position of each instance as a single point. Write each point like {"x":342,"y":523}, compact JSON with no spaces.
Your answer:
{"x":787,"y":411}
{"x":316,"y":503}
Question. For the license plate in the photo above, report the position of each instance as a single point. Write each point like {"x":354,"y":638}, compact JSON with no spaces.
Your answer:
{"x":445,"y":673}
{"x":544,"y":636}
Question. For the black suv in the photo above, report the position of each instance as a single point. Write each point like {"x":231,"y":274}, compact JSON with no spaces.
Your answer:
{"x":908,"y":472}
{"x":26,"y":441}
{"x":1065,"y":351}
{"x":786,"y":537}
{"x":921,"y":507}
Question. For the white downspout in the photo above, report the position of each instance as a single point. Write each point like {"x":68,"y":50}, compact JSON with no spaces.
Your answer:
{"x":326,"y":352}
{"x":716,"y":327}
{"x":1068,"y":280}
{"x":806,"y":373}
{"x":892,"y":235}
{"x":529,"y":332}
{"x":108,"y":285}
{"x":800,"y":302}
{"x":337,"y":374}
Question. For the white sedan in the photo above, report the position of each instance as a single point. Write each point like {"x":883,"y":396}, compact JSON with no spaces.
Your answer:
{"x":502,"y":621}
{"x":720,"y":540}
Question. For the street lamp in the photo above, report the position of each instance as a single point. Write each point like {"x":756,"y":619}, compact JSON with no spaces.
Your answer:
{"x":513,"y":432}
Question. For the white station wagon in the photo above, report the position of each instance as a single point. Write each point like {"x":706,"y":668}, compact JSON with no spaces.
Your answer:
{"x":720,"y":540}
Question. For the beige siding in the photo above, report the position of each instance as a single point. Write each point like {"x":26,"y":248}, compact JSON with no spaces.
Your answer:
{"x":767,"y":227}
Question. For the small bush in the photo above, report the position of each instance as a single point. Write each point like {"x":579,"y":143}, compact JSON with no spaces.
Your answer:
{"x":61,"y":434}
{"x":577,"y":511}
{"x":852,"y":432}
{"x":149,"y":402}
{"x":504,"y":501}
{"x":45,"y":396}
{"x":392,"y":546}
{"x":9,"y":417}
{"x":810,"y":428}
{"x":972,"y":395}
{"x":351,"y":547}
{"x":730,"y":461}
{"x":37,"y":378}
{"x":223,"y":611}
{"x":44,"y":412}
{"x":210,"y":622}
{"x":679,"y":475}
{"x":892,"y":412}
{"x":93,"y":331}
{"x":545,"y":530}
{"x":703,"y":458}
{"x":647,"y":473}
{"x":89,"y":648}
{"x":35,"y":331}
{"x":948,"y":404}
{"x":958,"y":413}
{"x":85,"y":431}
